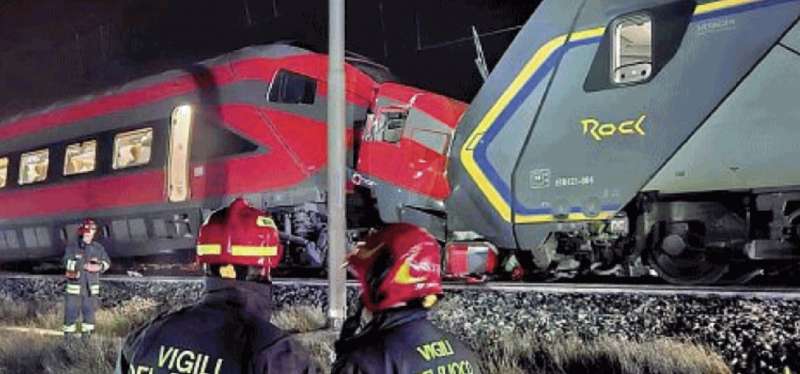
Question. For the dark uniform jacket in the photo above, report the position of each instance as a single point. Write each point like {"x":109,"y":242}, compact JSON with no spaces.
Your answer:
{"x":227,"y":332}
{"x":78,"y":254}
{"x":403,"y":341}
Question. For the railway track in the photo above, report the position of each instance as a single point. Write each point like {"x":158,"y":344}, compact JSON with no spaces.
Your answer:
{"x":754,"y":292}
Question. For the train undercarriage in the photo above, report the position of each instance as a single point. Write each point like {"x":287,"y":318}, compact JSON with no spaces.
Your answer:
{"x":721,"y":237}
{"x":692,"y":239}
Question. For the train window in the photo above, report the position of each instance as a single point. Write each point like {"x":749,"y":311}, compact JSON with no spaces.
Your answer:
{"x":292,"y":88}
{"x":391,"y":124}
{"x":632,"y":49}
{"x":3,"y":171}
{"x":33,"y":166}
{"x":132,"y":148}
{"x":178,"y":158}
{"x":80,"y":158}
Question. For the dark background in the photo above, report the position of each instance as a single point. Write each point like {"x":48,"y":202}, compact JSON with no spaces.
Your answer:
{"x":52,"y":50}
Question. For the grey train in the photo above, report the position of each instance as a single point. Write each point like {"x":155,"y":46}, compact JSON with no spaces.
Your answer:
{"x":614,"y":136}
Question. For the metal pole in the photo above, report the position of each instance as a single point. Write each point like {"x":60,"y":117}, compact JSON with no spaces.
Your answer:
{"x":337,"y":293}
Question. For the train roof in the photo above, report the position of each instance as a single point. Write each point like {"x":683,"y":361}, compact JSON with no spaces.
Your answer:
{"x":260,"y":51}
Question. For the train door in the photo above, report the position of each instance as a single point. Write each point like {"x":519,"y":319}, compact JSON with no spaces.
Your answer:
{"x":380,"y":154}
{"x":178,"y":186}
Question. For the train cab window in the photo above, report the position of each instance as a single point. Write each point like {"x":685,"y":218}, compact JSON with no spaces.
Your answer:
{"x":632,"y":49}
{"x":390,"y":125}
{"x":132,"y":148}
{"x":80,"y":157}
{"x":33,"y":166}
{"x":292,"y":88}
{"x":3,"y":171}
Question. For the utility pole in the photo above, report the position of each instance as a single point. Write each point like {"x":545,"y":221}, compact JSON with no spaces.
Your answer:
{"x":337,"y":293}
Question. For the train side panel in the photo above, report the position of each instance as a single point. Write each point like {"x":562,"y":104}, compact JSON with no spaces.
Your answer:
{"x":750,"y":140}
{"x":594,"y":143}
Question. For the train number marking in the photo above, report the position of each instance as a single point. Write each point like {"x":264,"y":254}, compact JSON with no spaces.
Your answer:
{"x":586,"y":180}
{"x":540,"y":178}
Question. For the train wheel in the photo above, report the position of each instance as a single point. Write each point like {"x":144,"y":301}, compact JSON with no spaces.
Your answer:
{"x":679,"y":263}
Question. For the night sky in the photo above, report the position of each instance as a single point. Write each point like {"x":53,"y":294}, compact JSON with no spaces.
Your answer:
{"x":57,"y":49}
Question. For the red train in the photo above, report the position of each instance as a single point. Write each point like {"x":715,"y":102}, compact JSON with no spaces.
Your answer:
{"x":151,"y":159}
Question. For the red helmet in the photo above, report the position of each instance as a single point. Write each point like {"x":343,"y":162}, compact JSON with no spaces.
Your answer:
{"x":398,"y":264}
{"x":240,"y":235}
{"x":87,"y":225}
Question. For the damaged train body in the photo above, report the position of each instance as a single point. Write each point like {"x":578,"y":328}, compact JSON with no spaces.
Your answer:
{"x":152,"y":159}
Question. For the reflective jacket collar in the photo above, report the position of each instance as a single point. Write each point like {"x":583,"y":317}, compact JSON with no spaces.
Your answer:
{"x":381,"y":322}
{"x":392,"y":318}
{"x":252,"y":297}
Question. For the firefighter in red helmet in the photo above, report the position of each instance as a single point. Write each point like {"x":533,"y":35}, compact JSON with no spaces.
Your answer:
{"x":399,"y":269}
{"x":84,"y":261}
{"x":228,"y":330}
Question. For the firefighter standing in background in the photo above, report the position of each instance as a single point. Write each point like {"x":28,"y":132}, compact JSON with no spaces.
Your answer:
{"x":84,"y":261}
{"x":229,"y":330}
{"x":399,"y":272}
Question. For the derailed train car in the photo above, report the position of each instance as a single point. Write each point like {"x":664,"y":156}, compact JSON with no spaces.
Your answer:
{"x":611,"y":136}
{"x":655,"y":131}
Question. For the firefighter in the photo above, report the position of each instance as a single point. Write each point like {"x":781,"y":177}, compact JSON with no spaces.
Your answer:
{"x":84,"y":261}
{"x":228,"y":330}
{"x":399,"y":272}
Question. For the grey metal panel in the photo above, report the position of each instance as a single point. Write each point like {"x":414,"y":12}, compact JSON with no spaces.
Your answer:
{"x":503,"y":152}
{"x":311,"y":190}
{"x":11,"y":239}
{"x":159,"y":228}
{"x":435,"y":225}
{"x":751,"y":141}
{"x":138,"y":229}
{"x":468,"y":207}
{"x":393,"y":199}
{"x":119,"y":230}
{"x":436,"y":141}
{"x":3,"y":244}
{"x":29,"y":237}
{"x":71,"y":231}
{"x":43,"y":236}
{"x":600,"y":13}
{"x":792,"y":38}
{"x":428,"y":131}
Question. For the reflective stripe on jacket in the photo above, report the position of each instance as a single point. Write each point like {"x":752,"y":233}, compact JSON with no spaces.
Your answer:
{"x":76,"y":255}
{"x":403,"y":341}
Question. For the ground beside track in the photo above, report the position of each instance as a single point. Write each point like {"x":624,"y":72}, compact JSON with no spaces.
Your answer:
{"x":755,"y":331}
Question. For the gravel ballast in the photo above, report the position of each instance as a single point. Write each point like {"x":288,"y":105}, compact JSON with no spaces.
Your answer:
{"x":753,"y":335}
